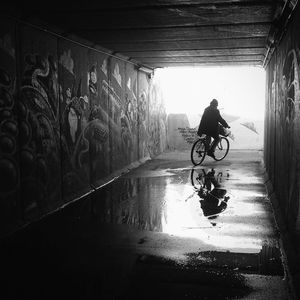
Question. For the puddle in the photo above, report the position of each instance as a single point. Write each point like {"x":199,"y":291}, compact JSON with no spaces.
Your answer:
{"x":188,"y":198}
{"x":206,"y":204}
{"x":195,"y":203}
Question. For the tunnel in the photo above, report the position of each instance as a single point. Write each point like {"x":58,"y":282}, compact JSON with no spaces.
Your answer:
{"x":98,"y":193}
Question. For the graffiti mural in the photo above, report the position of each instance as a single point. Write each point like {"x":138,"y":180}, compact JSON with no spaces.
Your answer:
{"x":75,"y":118}
{"x":189,"y":134}
{"x":98,"y":120}
{"x":131,"y":110}
{"x":10,"y":204}
{"x":282,"y":140}
{"x":142,"y":122}
{"x":289,"y":113}
{"x":118,"y":124}
{"x":39,"y":126}
{"x":157,"y":123}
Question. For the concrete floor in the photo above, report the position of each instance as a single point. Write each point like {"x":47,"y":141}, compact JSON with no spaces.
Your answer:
{"x":151,"y":234}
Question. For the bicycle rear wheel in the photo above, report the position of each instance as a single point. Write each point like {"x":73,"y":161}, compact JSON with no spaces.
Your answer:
{"x":222,"y":149}
{"x":198,"y":152}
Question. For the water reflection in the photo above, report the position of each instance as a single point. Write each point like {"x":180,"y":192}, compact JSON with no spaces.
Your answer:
{"x":73,"y":244}
{"x":132,"y":201}
{"x":213,"y":198}
{"x":193,"y":203}
{"x":158,"y":203}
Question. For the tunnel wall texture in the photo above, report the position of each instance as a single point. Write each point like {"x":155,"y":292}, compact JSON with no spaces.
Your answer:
{"x":71,"y":119}
{"x":282,"y":127}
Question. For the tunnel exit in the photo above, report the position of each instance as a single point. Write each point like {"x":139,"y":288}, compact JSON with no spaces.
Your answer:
{"x":187,"y":91}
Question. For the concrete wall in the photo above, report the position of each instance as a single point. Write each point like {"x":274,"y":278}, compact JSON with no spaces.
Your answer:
{"x":282,"y":127}
{"x":71,"y":119}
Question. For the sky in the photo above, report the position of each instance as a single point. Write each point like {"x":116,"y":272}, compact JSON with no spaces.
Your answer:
{"x":239,"y":90}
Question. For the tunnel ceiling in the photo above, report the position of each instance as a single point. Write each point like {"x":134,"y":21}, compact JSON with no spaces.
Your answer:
{"x":167,"y":33}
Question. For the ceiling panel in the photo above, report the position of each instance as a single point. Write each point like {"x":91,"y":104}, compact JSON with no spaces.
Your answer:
{"x":160,"y":33}
{"x":165,"y":17}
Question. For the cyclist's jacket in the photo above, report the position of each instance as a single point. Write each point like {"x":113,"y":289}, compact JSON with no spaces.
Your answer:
{"x":209,"y":123}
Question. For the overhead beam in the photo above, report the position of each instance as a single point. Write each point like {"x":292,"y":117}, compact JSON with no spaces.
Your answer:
{"x":164,"y":17}
{"x":138,"y":5}
{"x":185,"y":45}
{"x":187,"y":53}
{"x":175,"y":34}
{"x":198,"y":59}
{"x":257,"y":63}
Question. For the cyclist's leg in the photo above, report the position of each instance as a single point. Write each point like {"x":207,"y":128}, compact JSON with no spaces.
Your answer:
{"x":215,"y":143}
{"x":207,"y":142}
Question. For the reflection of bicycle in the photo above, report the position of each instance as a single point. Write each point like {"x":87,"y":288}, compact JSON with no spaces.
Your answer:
{"x":199,"y":150}
{"x":202,"y":180}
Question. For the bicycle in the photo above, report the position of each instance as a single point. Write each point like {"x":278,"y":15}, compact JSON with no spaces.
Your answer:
{"x":200,"y":179}
{"x":199,"y":150}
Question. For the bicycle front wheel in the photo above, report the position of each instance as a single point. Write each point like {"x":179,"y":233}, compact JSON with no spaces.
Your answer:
{"x":198,"y":152}
{"x":222,"y":149}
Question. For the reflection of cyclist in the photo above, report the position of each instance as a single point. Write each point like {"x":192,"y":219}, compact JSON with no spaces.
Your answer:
{"x":209,"y":125}
{"x":212,"y":201}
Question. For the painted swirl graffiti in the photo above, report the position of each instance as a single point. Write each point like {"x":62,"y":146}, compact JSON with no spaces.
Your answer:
{"x":289,"y":112}
{"x":8,"y":135}
{"x":40,"y":131}
{"x":72,"y":121}
{"x":284,"y":106}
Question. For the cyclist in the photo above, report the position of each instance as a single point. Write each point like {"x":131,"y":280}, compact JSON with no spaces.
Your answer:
{"x":209,"y":125}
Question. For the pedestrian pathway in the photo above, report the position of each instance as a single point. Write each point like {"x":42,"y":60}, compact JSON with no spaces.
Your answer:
{"x":165,"y":230}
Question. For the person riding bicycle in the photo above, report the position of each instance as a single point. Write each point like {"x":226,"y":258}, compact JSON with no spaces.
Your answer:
{"x":209,"y":125}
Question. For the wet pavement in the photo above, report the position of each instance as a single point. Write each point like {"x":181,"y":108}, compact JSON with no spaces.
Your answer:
{"x":165,"y":230}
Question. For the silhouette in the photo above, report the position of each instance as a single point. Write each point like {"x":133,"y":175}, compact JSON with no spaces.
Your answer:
{"x":210,"y":125}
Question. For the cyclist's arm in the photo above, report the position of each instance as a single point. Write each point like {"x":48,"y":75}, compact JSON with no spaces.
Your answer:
{"x":222,"y":121}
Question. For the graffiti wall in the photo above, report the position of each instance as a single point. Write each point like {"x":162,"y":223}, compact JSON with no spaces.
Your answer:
{"x":282,"y":140}
{"x":40,"y":162}
{"x":157,"y":123}
{"x":70,"y":118}
{"x":10,"y":130}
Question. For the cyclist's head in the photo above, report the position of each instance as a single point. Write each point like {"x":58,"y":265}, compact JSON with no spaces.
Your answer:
{"x":214,"y":103}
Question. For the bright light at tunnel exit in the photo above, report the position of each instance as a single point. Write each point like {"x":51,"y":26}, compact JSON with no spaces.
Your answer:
{"x":239,"y":90}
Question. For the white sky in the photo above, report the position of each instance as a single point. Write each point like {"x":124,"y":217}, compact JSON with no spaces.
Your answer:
{"x":239,"y":90}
